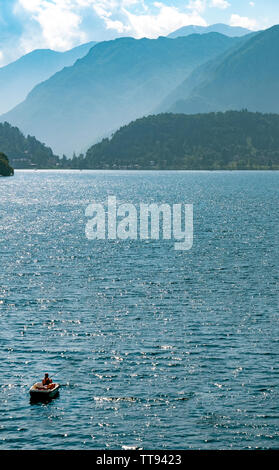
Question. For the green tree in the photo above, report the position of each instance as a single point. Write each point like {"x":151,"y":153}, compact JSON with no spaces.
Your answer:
{"x":5,"y":168}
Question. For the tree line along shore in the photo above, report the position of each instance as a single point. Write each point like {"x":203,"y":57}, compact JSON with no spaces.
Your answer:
{"x":233,"y":140}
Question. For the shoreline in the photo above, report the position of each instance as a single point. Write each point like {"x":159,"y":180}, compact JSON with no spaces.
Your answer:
{"x":57,"y":170}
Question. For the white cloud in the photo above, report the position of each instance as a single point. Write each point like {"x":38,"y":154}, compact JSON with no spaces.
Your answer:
{"x":117,"y":26}
{"x":223,"y":4}
{"x":201,"y":5}
{"x":243,"y":21}
{"x":252,"y":4}
{"x":105,"y":9}
{"x":58,"y":21}
{"x":148,"y":21}
{"x":164,"y":21}
{"x":197,"y":5}
{"x":62,"y":24}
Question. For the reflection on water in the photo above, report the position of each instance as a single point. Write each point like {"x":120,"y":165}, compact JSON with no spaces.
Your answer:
{"x":155,"y":348}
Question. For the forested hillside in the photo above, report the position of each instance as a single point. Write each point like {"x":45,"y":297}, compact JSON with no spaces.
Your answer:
{"x":25,"y":152}
{"x":231,"y":140}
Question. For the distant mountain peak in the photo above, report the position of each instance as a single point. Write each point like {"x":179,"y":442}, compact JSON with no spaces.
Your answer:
{"x":232,"y":31}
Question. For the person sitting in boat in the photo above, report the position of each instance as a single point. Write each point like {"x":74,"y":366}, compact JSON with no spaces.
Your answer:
{"x":46,"y":380}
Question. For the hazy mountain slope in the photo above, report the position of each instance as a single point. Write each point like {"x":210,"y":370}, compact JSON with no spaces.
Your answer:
{"x":18,"y":78}
{"x":247,"y":78}
{"x":232,"y":31}
{"x":231,"y":140}
{"x":199,"y":75}
{"x":115,"y":83}
{"x":25,"y":152}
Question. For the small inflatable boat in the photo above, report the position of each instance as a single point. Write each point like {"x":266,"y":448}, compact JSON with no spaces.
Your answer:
{"x":40,"y":391}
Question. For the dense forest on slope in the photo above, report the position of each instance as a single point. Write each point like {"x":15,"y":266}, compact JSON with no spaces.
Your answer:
{"x":5,"y":168}
{"x":231,"y":140}
{"x":213,"y":141}
{"x":25,"y":152}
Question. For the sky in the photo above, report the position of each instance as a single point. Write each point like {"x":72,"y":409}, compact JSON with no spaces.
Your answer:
{"x":26,"y":25}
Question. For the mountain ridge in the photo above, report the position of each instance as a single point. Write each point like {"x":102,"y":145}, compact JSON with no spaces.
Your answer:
{"x":116,"y":82}
{"x":232,"y":31}
{"x":247,"y":77}
{"x":19,"y":77}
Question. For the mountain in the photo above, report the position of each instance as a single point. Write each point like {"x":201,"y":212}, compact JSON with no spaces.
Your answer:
{"x":18,"y":78}
{"x":116,"y":82}
{"x":214,"y":141}
{"x":25,"y":152}
{"x":199,"y":75}
{"x":232,"y":31}
{"x":5,"y":168}
{"x":246,"y":77}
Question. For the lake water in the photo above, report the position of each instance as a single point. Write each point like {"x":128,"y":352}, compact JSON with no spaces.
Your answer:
{"x":154,"y":348}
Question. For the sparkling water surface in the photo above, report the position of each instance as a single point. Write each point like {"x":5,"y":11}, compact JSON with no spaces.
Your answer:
{"x":154,"y":348}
